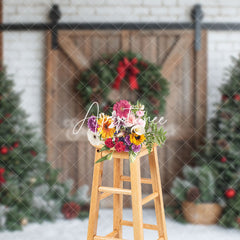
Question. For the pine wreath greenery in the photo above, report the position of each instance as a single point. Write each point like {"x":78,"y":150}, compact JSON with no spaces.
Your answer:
{"x":96,"y":82}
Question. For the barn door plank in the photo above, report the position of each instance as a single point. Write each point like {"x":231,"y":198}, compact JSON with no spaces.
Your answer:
{"x":49,"y":100}
{"x":200,"y":89}
{"x":73,"y":53}
{"x":175,"y":55}
{"x":125,"y":43}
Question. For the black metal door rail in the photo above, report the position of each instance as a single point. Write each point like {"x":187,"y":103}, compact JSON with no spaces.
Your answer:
{"x":55,"y":14}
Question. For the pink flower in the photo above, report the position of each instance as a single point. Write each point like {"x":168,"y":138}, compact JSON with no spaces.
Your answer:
{"x":140,"y":113}
{"x":131,"y":120}
{"x":141,"y":122}
{"x":122,"y":108}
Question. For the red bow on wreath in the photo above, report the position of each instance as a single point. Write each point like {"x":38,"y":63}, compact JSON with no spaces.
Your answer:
{"x":2,"y":179}
{"x":127,"y":68}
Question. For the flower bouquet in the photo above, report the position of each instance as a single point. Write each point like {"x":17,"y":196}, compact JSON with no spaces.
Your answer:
{"x":127,"y":129}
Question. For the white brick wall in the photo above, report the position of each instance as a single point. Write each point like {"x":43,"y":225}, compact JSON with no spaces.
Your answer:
{"x":24,"y":51}
{"x":221,"y":47}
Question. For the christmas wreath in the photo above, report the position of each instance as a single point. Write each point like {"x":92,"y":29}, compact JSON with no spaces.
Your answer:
{"x":107,"y":73}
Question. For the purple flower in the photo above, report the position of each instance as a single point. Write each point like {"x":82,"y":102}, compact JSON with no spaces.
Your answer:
{"x":126,"y":148}
{"x":136,"y":148}
{"x":92,"y":124}
{"x":127,"y":140}
{"x":117,"y":122}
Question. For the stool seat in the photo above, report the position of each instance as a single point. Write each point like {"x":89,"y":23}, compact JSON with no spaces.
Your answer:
{"x":100,"y":192}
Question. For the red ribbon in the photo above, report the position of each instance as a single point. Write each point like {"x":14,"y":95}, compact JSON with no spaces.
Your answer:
{"x":127,"y":68}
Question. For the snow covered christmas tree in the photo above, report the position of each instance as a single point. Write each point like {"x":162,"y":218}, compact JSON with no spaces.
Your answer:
{"x":29,"y":189}
{"x":222,"y":152}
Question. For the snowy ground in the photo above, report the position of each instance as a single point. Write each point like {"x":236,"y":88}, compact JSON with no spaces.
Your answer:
{"x":77,"y":230}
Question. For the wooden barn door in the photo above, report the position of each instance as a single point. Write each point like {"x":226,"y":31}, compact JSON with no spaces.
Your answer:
{"x":186,"y":105}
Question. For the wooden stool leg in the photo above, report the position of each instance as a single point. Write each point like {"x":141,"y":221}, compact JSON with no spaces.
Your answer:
{"x":117,"y":198}
{"x":95,"y":198}
{"x":136,"y":199}
{"x":157,"y":187}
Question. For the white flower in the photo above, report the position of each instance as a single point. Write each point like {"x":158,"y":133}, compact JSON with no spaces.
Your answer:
{"x":141,"y":107}
{"x":94,"y":138}
{"x":120,"y":134}
{"x":138,"y":129}
{"x":141,"y":122}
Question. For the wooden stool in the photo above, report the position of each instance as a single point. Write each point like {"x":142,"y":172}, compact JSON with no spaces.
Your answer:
{"x":100,"y":192}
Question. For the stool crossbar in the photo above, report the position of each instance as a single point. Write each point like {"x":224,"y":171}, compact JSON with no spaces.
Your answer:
{"x":100,"y":192}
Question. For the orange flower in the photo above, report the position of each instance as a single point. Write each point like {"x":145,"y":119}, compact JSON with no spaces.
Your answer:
{"x":104,"y":122}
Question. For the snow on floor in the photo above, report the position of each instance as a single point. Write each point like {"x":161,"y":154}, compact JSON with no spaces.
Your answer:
{"x":77,"y":230}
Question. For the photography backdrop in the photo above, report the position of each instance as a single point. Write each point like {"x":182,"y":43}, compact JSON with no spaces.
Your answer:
{"x":26,"y":53}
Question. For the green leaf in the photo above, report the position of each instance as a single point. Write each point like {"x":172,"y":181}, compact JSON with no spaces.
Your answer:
{"x":132,"y":156}
{"x":107,"y":157}
{"x":104,"y":148}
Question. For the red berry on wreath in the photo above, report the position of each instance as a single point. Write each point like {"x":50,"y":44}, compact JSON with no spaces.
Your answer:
{"x":3,"y":150}
{"x":236,"y":97}
{"x":223,"y":159}
{"x":16,"y":144}
{"x":7,"y":115}
{"x":145,"y":65}
{"x":230,"y":193}
{"x":238,"y":220}
{"x":224,"y":98}
{"x":34,"y":154}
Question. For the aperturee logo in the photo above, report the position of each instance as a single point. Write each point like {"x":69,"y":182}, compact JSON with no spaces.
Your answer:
{"x":77,"y":126}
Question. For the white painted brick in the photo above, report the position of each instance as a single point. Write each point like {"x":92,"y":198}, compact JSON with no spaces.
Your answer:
{"x":159,"y":11}
{"x":189,"y":2}
{"x":10,"y":9}
{"x":228,"y":3}
{"x":224,"y":46}
{"x":69,"y":10}
{"x":228,"y":11}
{"x":86,"y":10}
{"x":141,"y":11}
{"x":176,"y":11}
{"x":213,"y":11}
{"x":114,"y":11}
{"x":31,"y":10}
{"x":170,"y":3}
{"x":60,"y":2}
{"x":152,"y":2}
{"x":87,"y":2}
{"x":149,"y":18}
{"x":123,"y":2}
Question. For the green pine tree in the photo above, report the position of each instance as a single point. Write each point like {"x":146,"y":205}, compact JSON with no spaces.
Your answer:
{"x":218,"y":159}
{"x":29,"y":189}
{"x":222,"y":151}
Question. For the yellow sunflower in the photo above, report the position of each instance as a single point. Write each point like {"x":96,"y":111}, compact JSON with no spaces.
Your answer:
{"x":104,"y":122}
{"x":137,"y":139}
